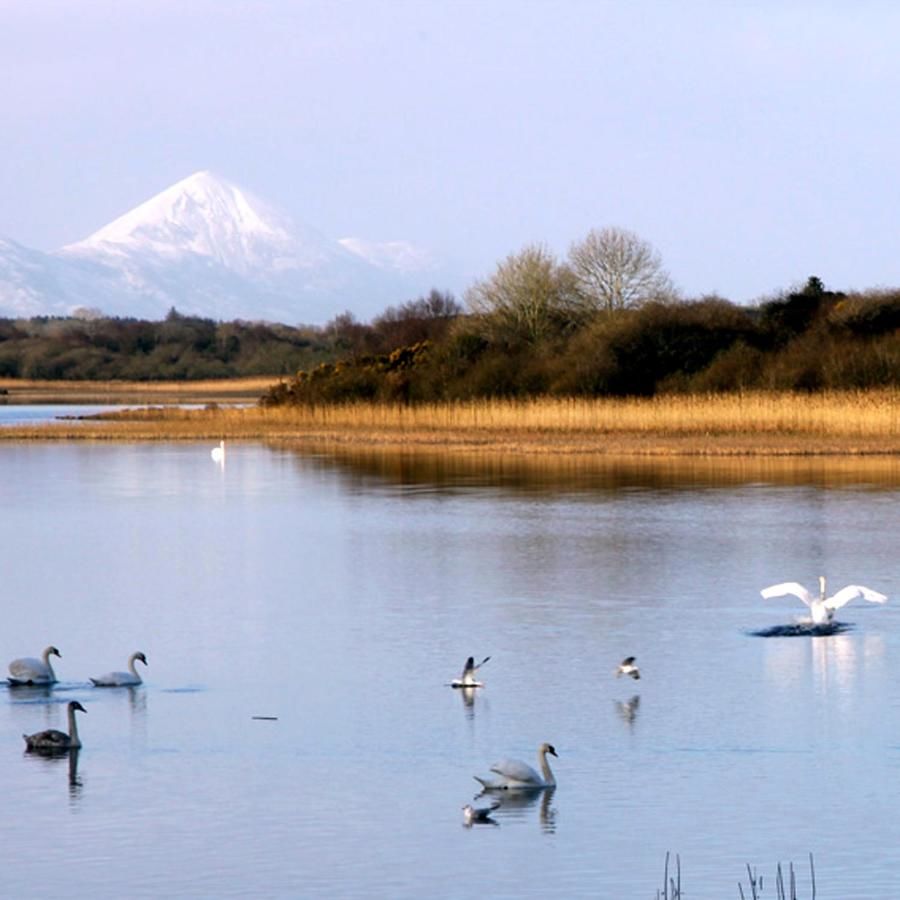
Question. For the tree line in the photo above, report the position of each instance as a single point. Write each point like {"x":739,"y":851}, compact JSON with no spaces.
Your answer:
{"x":605,"y":320}
{"x":177,"y":348}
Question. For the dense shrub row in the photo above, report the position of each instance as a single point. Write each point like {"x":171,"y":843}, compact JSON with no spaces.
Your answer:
{"x":808,"y":339}
{"x":430,"y":349}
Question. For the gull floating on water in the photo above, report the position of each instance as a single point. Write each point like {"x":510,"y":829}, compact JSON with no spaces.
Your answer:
{"x":122,"y":679}
{"x":468,"y":679}
{"x":53,"y":740}
{"x":627,"y":667}
{"x":479,"y":815}
{"x":512,"y":774}
{"x":34,"y":671}
{"x":822,"y":608}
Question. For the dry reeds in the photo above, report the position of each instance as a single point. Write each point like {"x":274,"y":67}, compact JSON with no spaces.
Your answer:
{"x":857,"y":423}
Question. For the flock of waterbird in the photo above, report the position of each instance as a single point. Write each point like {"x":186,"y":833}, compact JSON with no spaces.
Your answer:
{"x":37,"y":672}
{"x":515,"y":775}
{"x":506,"y":775}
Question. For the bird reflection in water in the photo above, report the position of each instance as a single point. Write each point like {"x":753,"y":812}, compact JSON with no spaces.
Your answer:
{"x":137,"y":700}
{"x":628,"y":709}
{"x":468,"y":695}
{"x":515,"y":805}
{"x":75,"y":783}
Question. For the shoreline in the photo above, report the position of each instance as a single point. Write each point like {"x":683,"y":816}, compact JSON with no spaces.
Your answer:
{"x":852,"y":425}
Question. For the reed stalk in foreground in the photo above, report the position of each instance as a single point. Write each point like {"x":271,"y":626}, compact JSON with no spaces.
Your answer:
{"x":671,"y":889}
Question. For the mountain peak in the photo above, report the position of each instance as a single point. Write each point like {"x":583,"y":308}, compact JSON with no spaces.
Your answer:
{"x":202,"y":214}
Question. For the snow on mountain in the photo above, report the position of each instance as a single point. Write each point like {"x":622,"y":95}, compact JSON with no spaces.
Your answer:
{"x":400,"y":256}
{"x":209,"y":248}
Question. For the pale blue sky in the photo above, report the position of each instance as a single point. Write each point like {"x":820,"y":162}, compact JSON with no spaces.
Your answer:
{"x":754,"y":143}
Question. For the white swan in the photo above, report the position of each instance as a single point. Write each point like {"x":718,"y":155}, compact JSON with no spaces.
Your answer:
{"x":515,"y":775}
{"x":122,"y":679}
{"x":54,"y":740}
{"x":468,"y":679}
{"x":822,"y":608}
{"x":479,"y":815}
{"x":218,"y":453}
{"x":34,"y":671}
{"x":627,"y":667}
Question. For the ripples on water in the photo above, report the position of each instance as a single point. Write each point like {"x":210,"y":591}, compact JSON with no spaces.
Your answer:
{"x":303,"y":615}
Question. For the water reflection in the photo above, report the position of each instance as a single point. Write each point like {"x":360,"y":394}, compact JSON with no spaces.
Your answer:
{"x":515,"y":805}
{"x":628,"y":709}
{"x":468,"y":695}
{"x":413,"y":470}
{"x":75,"y":783}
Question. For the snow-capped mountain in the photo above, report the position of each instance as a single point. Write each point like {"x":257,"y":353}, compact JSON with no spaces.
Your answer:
{"x":209,"y":248}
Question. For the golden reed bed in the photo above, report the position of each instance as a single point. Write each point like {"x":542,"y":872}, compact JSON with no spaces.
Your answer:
{"x":757,"y":423}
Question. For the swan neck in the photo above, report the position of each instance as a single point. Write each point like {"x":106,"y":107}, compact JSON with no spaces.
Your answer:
{"x":49,"y":665}
{"x":822,"y":588}
{"x":73,"y":730}
{"x":546,"y":772}
{"x":131,"y":666}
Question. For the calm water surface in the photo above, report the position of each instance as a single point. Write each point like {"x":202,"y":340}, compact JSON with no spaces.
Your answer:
{"x":341,"y":595}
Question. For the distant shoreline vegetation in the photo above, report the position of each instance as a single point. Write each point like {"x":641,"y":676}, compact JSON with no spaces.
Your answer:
{"x":534,"y":328}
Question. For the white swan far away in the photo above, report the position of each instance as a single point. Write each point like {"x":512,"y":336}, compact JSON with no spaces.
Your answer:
{"x":468,"y":679}
{"x":627,"y":667}
{"x":122,"y":679}
{"x":479,"y":815}
{"x":54,"y":740}
{"x":512,"y":774}
{"x":29,"y":670}
{"x":218,"y":453}
{"x":822,"y":608}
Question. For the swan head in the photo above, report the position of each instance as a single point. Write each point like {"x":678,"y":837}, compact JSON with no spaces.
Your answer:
{"x":548,"y":748}
{"x":52,"y":651}
{"x":74,"y":704}
{"x":139,"y":657}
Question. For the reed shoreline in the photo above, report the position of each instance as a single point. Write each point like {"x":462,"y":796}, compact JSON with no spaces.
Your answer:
{"x":855,"y":424}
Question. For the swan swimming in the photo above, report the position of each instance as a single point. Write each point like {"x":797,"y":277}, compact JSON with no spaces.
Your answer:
{"x":515,"y":775}
{"x":627,"y":667}
{"x":122,"y":679}
{"x":479,"y":815}
{"x":54,"y":740}
{"x":822,"y":608}
{"x":218,"y":453}
{"x":34,"y":671}
{"x":468,"y":679}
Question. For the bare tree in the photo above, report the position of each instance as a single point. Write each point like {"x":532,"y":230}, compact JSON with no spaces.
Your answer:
{"x":616,"y":269}
{"x":528,"y":295}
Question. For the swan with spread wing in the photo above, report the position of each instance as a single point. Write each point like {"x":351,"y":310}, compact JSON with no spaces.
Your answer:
{"x":822,"y":608}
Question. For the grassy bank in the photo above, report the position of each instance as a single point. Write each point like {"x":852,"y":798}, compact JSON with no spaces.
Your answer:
{"x":758,"y":423}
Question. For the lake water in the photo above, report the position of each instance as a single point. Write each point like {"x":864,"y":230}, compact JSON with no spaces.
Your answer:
{"x":339,"y":595}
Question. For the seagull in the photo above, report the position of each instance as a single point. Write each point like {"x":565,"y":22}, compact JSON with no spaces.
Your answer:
{"x":218,"y":453}
{"x":479,"y":815}
{"x":822,"y":608}
{"x":468,"y":679}
{"x":627,"y":667}
{"x":515,"y":775}
{"x":34,"y":671}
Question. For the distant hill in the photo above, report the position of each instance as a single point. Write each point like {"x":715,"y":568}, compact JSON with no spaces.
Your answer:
{"x":210,"y":249}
